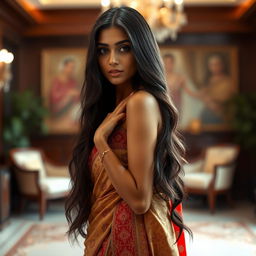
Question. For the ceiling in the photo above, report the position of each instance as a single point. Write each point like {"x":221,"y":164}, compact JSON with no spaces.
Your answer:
{"x":62,"y":4}
{"x":35,"y":18}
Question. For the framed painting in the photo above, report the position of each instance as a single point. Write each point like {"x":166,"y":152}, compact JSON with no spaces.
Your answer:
{"x":201,"y":80}
{"x":62,"y":79}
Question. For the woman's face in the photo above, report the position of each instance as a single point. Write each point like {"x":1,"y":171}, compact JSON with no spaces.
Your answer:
{"x":215,"y":65}
{"x":115,"y":56}
{"x":69,"y":68}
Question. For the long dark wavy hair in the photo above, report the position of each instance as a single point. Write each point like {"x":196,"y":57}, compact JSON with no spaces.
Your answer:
{"x":98,"y":99}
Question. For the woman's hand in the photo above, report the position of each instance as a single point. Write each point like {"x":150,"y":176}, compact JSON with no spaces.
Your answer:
{"x":109,"y":123}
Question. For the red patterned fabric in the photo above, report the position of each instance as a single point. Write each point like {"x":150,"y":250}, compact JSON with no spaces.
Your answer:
{"x":181,"y":241}
{"x":127,"y":238}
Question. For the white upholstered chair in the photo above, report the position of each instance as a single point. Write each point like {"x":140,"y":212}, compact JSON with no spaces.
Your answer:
{"x":212,"y":173}
{"x":37,"y":177}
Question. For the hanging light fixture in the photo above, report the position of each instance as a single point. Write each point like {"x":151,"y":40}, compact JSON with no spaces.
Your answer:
{"x":165,"y":17}
{"x":6,"y":58}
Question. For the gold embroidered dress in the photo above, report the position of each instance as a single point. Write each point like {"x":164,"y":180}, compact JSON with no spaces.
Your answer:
{"x":114,"y":229}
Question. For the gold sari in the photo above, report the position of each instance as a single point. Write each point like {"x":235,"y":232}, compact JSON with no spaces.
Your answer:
{"x":113,"y":228}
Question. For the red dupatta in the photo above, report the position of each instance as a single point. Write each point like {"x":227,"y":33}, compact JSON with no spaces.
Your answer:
{"x":181,"y":242}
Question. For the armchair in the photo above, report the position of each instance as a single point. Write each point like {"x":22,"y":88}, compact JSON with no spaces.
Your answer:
{"x":37,"y":177}
{"x":212,"y":173}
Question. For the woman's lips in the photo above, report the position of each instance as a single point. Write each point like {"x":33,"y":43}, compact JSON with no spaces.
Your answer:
{"x":115,"y":73}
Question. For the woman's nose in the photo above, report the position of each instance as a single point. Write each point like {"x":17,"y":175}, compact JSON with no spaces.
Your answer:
{"x":113,"y":58}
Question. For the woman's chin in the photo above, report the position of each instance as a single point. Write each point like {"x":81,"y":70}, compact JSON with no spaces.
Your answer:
{"x":117,"y":82}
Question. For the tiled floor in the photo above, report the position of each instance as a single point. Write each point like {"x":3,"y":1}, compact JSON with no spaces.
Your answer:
{"x":194,"y":210}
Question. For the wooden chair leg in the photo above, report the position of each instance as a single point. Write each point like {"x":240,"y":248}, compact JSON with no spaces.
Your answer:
{"x":47,"y":205}
{"x":22,"y":203}
{"x":211,"y":201}
{"x":229,"y":199}
{"x":42,"y":206}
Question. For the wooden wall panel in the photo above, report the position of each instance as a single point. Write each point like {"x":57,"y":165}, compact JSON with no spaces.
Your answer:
{"x":200,"y":19}
{"x":30,"y":59}
{"x":58,"y":148}
{"x":80,"y":21}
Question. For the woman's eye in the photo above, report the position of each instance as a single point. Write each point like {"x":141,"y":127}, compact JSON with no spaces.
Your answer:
{"x":125,"y":48}
{"x":102,"y":51}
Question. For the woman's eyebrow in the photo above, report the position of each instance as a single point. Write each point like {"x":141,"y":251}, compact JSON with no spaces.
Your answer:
{"x":120,"y":42}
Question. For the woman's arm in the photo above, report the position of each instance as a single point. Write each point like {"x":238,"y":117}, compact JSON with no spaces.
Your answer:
{"x":135,"y":184}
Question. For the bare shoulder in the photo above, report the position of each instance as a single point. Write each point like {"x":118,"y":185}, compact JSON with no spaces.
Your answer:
{"x":144,"y":105}
{"x":142,"y":99}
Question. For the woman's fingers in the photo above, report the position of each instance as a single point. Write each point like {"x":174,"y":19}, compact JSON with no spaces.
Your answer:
{"x":116,"y":116}
{"x":120,"y":116}
{"x":120,"y":106}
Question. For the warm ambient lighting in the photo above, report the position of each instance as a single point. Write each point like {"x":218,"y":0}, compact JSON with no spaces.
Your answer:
{"x":6,"y":58}
{"x":105,"y":4}
{"x":165,"y":17}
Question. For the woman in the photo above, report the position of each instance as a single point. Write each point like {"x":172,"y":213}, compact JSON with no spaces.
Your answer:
{"x":64,"y":92}
{"x":127,"y":162}
{"x":175,"y":82}
{"x":64,"y":97}
{"x":217,"y":91}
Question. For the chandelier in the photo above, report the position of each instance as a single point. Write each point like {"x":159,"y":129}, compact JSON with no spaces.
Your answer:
{"x":165,"y":17}
{"x":6,"y":59}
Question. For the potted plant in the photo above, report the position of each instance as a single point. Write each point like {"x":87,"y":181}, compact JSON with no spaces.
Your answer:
{"x":242,"y":108}
{"x":25,"y":118}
